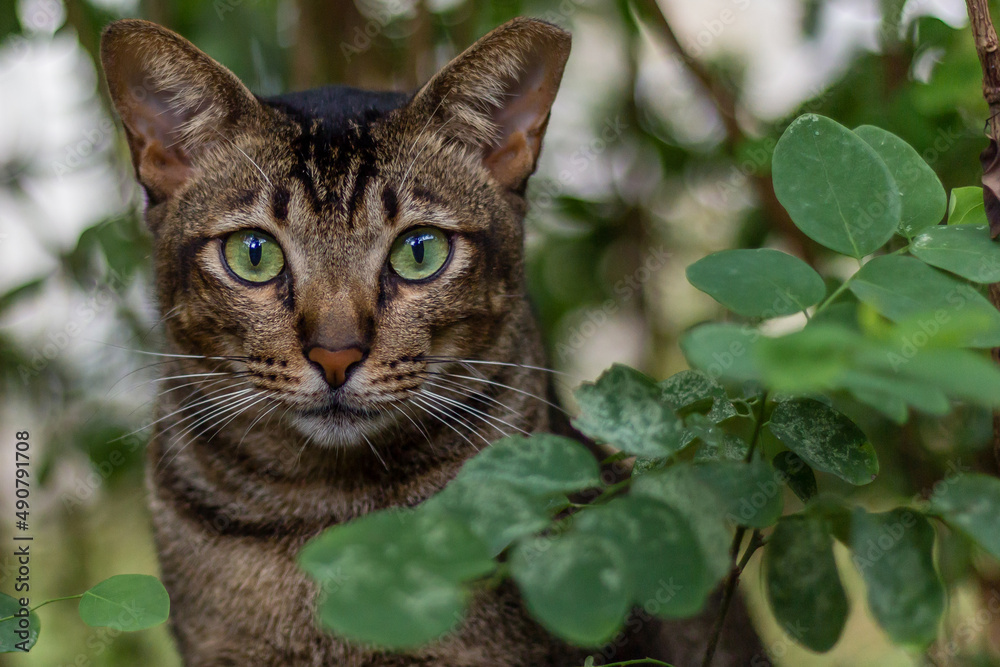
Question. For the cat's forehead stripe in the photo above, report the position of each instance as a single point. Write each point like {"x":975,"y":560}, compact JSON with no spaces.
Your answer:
{"x":390,"y":202}
{"x":279,"y":203}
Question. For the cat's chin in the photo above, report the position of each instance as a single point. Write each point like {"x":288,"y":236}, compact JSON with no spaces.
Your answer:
{"x":338,"y":429}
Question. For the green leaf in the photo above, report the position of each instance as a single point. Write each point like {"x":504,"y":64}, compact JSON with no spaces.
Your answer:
{"x":497,"y":512}
{"x":803,"y":585}
{"x":689,"y":391}
{"x":624,"y":408}
{"x":798,"y":475}
{"x":541,"y":464}
{"x":9,"y":637}
{"x":892,"y":407}
{"x":827,"y":357}
{"x":762,"y":283}
{"x":894,"y":553}
{"x":575,"y":584}
{"x":663,"y":557}
{"x":960,"y":373}
{"x":825,"y":439}
{"x":904,"y":287}
{"x":835,"y":187}
{"x":971,"y":503}
{"x":966,"y":250}
{"x":731,"y":448}
{"x":681,"y":487}
{"x":966,"y":207}
{"x":722,"y":350}
{"x":883,"y":391}
{"x":751,"y":492}
{"x":923,"y":198}
{"x":395,"y":577}
{"x":816,"y":357}
{"x":126,"y":602}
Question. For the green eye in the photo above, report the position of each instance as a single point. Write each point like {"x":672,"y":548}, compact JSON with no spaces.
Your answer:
{"x":254,"y":256}
{"x":419,"y":253}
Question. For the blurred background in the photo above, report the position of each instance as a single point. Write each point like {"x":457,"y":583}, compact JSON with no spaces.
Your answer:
{"x":657,"y":153}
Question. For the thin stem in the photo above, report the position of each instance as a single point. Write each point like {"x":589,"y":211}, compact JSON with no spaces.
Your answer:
{"x":42,"y":604}
{"x":733,"y":578}
{"x":641,"y":661}
{"x":757,"y":428}
{"x":837,"y":292}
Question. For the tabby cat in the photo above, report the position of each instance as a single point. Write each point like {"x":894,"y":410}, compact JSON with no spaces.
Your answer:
{"x":341,"y":278}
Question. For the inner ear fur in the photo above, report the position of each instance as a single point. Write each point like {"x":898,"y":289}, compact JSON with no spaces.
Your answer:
{"x":174,"y":101}
{"x":496,"y":96}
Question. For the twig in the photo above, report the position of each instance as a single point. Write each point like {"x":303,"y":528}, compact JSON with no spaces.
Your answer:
{"x":756,"y":542}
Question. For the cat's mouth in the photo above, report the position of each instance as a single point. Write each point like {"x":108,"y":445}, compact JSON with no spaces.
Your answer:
{"x":336,"y":409}
{"x":336,"y":424}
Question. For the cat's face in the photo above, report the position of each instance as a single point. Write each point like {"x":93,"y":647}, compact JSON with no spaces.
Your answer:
{"x":328,"y":258}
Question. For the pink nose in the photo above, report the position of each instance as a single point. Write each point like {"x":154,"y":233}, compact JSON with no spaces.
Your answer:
{"x":335,"y":364}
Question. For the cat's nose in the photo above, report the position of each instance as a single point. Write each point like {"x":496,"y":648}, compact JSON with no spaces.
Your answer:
{"x":336,"y":363}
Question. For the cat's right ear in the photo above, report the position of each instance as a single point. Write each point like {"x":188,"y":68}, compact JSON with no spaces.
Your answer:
{"x":174,"y":101}
{"x":495,"y":97}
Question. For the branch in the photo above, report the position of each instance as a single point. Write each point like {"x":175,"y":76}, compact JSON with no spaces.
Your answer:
{"x":987,"y":49}
{"x":722,"y":98}
{"x":725,"y":105}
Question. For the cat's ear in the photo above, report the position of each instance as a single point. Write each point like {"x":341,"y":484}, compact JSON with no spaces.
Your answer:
{"x":497,"y":94}
{"x":175,"y":101}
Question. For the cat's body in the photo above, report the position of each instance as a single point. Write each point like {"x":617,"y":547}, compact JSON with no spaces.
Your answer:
{"x":343,"y":382}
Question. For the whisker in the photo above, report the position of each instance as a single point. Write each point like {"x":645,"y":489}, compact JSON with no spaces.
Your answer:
{"x":434,"y":359}
{"x":420,"y":152}
{"x":374,"y":451}
{"x":277,"y":403}
{"x":448,"y":412}
{"x":463,"y":390}
{"x":419,"y":402}
{"x":209,"y":399}
{"x":250,"y":159}
{"x":174,"y":356}
{"x":500,"y":384}
{"x":214,"y":417}
{"x":473,"y":411}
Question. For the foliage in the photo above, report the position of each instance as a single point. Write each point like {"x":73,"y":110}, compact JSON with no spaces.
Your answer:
{"x":124,"y":602}
{"x":586,"y":235}
{"x":718,"y":444}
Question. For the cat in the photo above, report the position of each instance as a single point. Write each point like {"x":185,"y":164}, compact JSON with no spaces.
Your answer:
{"x":341,"y":278}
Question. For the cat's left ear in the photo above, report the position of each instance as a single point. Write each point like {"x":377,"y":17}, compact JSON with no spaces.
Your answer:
{"x":176,"y":102}
{"x":496,"y":96}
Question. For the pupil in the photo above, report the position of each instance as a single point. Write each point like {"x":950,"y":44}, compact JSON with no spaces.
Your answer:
{"x":417,"y":245}
{"x":256,"y":248}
